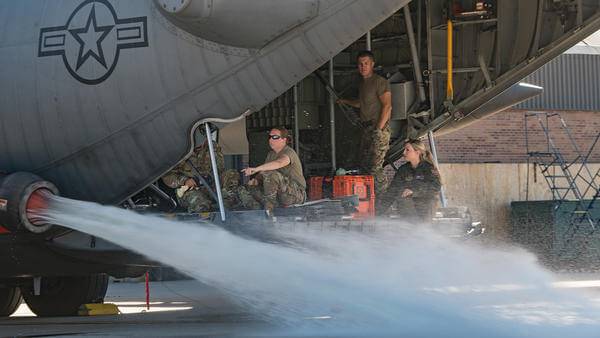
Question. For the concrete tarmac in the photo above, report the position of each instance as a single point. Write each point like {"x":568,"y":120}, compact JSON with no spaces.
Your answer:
{"x":192,"y":309}
{"x":177,"y":308}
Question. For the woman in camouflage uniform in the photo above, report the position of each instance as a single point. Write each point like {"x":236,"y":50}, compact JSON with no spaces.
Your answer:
{"x":415,"y":186}
{"x":280,"y":181}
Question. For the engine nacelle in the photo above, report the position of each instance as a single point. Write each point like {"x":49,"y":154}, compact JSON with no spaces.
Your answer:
{"x":238,"y":23}
{"x":20,"y":192}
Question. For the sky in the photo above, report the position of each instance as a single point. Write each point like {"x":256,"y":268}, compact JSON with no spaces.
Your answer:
{"x":592,"y":40}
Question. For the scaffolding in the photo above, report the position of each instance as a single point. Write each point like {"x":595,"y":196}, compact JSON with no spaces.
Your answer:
{"x":568,"y":177}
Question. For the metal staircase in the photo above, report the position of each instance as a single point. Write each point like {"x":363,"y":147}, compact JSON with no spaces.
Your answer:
{"x":568,"y":179}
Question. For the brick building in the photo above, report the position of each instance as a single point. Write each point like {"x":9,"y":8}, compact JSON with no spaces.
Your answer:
{"x":500,"y":138}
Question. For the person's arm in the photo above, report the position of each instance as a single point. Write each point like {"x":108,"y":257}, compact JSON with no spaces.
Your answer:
{"x":351,"y":102}
{"x":391,"y":194}
{"x":386,"y":109}
{"x":174,"y":179}
{"x":280,"y":162}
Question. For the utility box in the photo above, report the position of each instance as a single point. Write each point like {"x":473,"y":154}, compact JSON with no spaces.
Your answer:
{"x":403,"y":96}
{"x":557,"y":233}
{"x":362,"y":186}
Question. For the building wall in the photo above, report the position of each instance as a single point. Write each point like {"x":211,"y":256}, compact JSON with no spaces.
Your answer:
{"x":570,"y":82}
{"x":488,"y":188}
{"x":500,"y":138}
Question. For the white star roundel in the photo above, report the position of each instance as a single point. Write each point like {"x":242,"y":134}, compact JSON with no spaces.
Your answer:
{"x":91,"y":40}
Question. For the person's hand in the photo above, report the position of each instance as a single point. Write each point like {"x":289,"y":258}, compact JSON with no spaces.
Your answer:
{"x":253,"y":181}
{"x":249,"y":171}
{"x":406,"y":193}
{"x":190,"y":182}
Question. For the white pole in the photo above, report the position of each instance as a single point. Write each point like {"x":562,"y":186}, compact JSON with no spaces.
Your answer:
{"x":332,"y":117}
{"x":296,"y":122}
{"x":213,"y":161}
{"x":434,"y":153}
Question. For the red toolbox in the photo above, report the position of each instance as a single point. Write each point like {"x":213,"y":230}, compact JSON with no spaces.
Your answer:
{"x":315,"y":186}
{"x":319,"y":188}
{"x":357,"y":185}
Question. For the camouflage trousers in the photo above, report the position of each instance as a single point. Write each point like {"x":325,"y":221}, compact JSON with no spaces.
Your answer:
{"x":234,"y":196}
{"x":195,"y":200}
{"x":240,"y":199}
{"x":374,"y":144}
{"x":277,"y":190}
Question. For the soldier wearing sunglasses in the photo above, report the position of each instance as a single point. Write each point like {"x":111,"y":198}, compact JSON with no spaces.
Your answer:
{"x":280,"y":180}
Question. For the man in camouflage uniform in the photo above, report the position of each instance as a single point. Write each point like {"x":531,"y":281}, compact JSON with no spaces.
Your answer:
{"x":280,"y":181}
{"x":196,"y":198}
{"x":375,"y":103}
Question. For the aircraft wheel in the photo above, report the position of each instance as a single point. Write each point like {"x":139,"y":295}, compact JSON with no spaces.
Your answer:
{"x":10,"y":299}
{"x":62,"y":296}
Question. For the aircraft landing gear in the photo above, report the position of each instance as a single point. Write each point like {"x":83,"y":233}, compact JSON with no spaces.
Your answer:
{"x":62,"y":296}
{"x":10,"y":299}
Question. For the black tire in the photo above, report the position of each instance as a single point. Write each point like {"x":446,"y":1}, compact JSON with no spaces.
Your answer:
{"x":62,"y":296}
{"x":10,"y":299}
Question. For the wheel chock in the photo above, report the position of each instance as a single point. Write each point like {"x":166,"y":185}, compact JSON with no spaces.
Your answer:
{"x":98,"y":309}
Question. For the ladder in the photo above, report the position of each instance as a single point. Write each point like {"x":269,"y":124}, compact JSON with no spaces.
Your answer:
{"x":565,"y":180}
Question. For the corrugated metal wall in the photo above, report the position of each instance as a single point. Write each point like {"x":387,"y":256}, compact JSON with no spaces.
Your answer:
{"x":571,"y":82}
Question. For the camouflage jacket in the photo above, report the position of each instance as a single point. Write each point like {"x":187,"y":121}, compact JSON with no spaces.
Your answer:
{"x":200,"y":158}
{"x":423,"y":181}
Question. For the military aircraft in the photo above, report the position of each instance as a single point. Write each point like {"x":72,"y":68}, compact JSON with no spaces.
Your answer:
{"x":99,"y":98}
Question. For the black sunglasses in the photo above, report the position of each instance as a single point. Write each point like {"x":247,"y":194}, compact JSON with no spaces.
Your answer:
{"x":275,"y":137}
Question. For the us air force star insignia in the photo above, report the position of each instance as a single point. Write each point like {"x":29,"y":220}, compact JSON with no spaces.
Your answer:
{"x":91,"y":41}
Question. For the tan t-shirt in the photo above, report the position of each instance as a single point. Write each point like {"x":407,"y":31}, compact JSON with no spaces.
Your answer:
{"x":370,"y":90}
{"x":292,"y":170}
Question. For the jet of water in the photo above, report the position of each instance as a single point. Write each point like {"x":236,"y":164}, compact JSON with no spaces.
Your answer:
{"x":399,"y":279}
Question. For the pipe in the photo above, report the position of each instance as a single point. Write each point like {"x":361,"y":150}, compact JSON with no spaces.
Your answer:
{"x":449,"y":87}
{"x":24,"y":198}
{"x":432,"y":77}
{"x":514,"y":95}
{"x":419,"y":24}
{"x":131,"y":203}
{"x":296,"y":124}
{"x":413,"y":52}
{"x":246,"y":112}
{"x":202,"y":180}
{"x":348,"y":112}
{"x":213,"y":161}
{"x":486,"y":73}
{"x":435,"y":159}
{"x":162,"y":194}
{"x":332,"y":116}
{"x":368,"y":40}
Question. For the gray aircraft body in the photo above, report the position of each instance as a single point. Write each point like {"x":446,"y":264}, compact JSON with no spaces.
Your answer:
{"x":99,"y":98}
